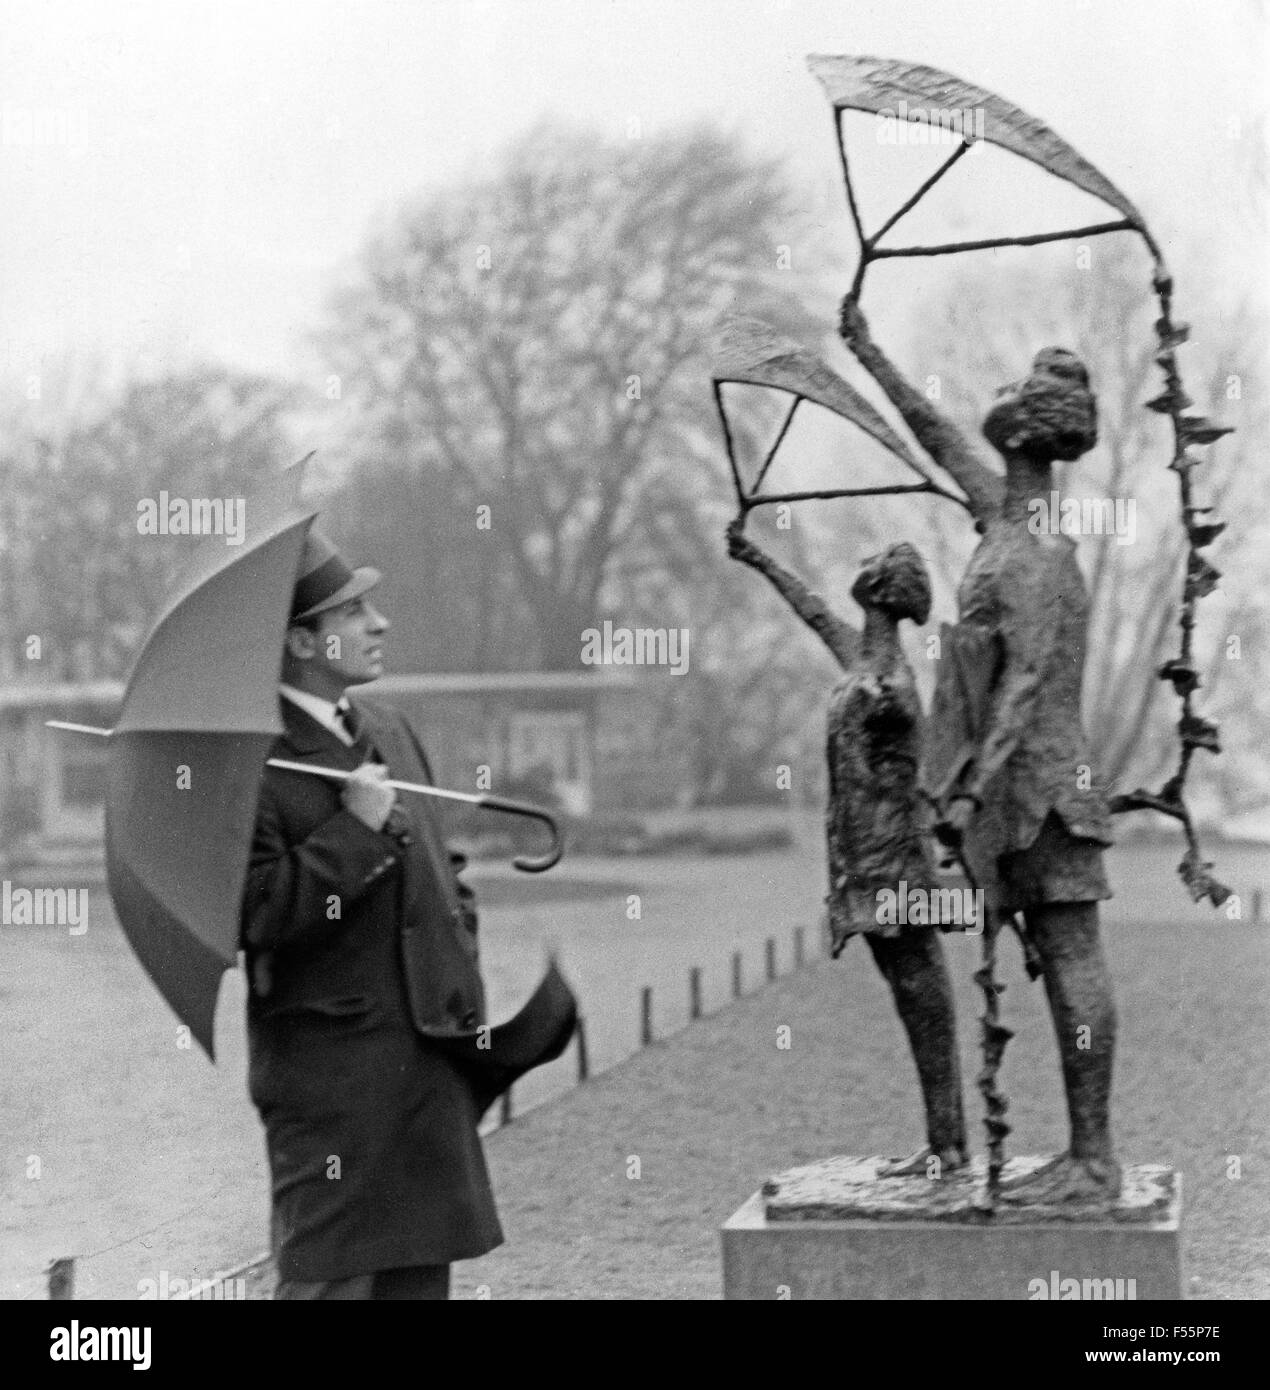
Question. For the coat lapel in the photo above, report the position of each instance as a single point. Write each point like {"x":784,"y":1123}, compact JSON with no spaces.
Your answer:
{"x":404,"y":763}
{"x":305,"y":740}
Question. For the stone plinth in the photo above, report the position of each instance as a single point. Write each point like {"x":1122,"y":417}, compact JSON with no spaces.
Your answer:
{"x":835,"y":1230}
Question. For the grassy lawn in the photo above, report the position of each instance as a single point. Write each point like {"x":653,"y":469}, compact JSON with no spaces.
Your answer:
{"x":150,"y":1159}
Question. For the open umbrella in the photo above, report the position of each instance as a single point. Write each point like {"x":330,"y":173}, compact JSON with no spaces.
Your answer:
{"x":199,"y":714}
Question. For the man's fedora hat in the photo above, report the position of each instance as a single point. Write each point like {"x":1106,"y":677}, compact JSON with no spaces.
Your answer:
{"x":325,"y":579}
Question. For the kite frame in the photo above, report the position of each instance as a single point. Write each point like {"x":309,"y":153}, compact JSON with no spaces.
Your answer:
{"x":876,"y":85}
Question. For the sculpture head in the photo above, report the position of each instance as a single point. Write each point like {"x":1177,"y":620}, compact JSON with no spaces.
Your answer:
{"x":896,"y":583}
{"x":1051,"y":415}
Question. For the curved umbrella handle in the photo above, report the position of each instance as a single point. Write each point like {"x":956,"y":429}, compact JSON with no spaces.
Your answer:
{"x":522,"y":808}
{"x":490,"y":803}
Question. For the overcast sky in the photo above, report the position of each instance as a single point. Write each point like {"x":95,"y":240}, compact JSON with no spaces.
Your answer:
{"x":181,"y":180}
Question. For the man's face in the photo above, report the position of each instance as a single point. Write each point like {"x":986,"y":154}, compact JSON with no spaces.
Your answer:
{"x":348,"y":642}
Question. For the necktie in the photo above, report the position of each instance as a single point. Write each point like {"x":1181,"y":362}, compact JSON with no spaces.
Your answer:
{"x":353,"y":725}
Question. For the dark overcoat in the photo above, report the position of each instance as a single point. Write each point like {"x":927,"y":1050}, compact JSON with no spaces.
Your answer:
{"x":361,"y":950}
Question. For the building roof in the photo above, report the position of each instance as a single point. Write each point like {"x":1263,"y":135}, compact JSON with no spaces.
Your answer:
{"x":59,"y":695}
{"x":66,"y":694}
{"x":505,"y":682}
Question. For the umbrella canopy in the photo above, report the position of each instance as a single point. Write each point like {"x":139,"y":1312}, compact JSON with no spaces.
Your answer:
{"x":199,"y":715}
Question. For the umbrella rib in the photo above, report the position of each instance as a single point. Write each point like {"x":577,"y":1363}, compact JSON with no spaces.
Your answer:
{"x":316,"y":771}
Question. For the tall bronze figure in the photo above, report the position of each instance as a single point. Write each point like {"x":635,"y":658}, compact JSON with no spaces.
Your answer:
{"x":1025,"y":795}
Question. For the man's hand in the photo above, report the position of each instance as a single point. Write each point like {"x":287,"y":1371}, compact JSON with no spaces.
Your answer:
{"x":366,"y":796}
{"x":950,"y":829}
{"x":852,"y":325}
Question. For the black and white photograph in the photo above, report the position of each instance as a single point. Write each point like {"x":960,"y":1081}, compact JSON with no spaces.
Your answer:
{"x":634,"y":661}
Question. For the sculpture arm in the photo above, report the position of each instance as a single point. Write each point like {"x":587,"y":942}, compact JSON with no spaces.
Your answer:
{"x":839,"y":636}
{"x":941,"y":439}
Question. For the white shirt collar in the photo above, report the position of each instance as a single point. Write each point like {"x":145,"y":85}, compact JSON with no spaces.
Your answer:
{"x":321,"y":709}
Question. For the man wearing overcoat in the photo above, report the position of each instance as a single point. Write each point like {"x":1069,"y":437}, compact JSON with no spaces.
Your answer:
{"x":361,"y":948}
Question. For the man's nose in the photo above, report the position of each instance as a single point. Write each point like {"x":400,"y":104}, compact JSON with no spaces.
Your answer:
{"x":378,"y":623}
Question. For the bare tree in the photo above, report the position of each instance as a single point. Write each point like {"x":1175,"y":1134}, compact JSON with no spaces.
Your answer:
{"x":535,"y":343}
{"x":78,"y":573}
{"x":759,"y":685}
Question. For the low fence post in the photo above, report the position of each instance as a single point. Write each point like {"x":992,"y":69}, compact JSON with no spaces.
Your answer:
{"x":771,"y":960}
{"x":505,"y":1112}
{"x":694,"y":992}
{"x":646,"y":1016}
{"x":736,"y":974}
{"x":61,"y":1278}
{"x":584,"y":1062}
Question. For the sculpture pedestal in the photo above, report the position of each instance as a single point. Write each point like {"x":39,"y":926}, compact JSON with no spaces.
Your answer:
{"x":834,"y":1230}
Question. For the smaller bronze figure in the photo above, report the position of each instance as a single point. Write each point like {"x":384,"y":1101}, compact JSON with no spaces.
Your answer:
{"x":875,"y":821}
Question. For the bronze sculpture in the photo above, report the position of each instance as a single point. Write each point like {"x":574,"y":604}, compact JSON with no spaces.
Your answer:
{"x":1007,"y":762}
{"x":875,"y":826}
{"x":1010,"y":770}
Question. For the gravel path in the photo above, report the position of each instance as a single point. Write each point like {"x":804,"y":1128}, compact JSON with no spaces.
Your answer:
{"x":715,"y":1109}
{"x":138,"y":1136}
{"x":711,"y":1111}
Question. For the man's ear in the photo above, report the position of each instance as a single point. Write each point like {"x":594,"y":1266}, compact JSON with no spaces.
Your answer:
{"x":302,"y":642}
